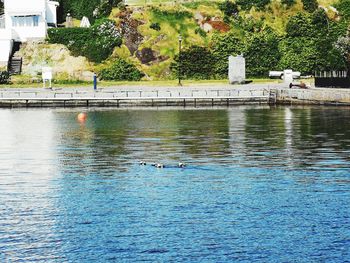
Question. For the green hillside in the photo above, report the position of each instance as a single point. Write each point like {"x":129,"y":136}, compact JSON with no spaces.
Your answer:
{"x":272,"y":35}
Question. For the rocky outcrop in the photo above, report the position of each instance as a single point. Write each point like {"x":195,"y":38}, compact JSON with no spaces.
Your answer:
{"x":37,"y":55}
{"x":129,"y":26}
{"x":148,"y":56}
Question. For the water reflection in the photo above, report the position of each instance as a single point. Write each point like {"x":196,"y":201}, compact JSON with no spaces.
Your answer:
{"x":258,"y":180}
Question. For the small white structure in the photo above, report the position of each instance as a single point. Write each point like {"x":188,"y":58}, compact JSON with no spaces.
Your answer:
{"x":24,"y":20}
{"x":47,"y":76}
{"x":85,"y":22}
{"x":236,"y":69}
{"x":287,"y":76}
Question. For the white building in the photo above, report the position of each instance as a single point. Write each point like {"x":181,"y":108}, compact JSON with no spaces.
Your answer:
{"x":24,"y":20}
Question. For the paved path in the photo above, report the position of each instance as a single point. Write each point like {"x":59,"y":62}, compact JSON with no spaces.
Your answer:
{"x":217,"y":94}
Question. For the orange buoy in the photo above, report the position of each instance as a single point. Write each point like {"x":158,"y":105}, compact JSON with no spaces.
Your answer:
{"x":82,"y":117}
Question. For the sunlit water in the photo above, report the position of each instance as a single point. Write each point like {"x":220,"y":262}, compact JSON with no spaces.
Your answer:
{"x":261,"y":185}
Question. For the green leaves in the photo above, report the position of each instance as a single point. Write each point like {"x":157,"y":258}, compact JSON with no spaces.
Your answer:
{"x":4,"y":77}
{"x":96,"y":43}
{"x":121,"y":70}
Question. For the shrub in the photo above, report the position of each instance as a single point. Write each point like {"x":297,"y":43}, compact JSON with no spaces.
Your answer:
{"x":288,"y":3}
{"x":261,"y":53}
{"x":155,"y":26}
{"x":90,"y":8}
{"x":248,"y":4}
{"x":200,"y":32}
{"x":310,"y":5}
{"x":229,"y":8}
{"x":299,"y":25}
{"x":343,"y":6}
{"x":223,"y":46}
{"x":194,"y":63}
{"x":121,"y":70}
{"x":4,"y":77}
{"x":96,"y":43}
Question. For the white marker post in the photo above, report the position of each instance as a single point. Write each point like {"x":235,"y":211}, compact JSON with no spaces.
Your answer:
{"x":47,"y":76}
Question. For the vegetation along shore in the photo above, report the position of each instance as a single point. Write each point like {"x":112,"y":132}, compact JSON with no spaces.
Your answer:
{"x":139,"y":40}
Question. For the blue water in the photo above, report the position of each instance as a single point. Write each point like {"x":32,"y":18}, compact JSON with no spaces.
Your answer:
{"x":261,"y":185}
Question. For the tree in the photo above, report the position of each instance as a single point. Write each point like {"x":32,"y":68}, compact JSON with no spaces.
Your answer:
{"x":229,"y":8}
{"x":223,"y":46}
{"x":195,"y":63}
{"x":299,"y":26}
{"x":343,"y":6}
{"x":310,"y":5}
{"x":262,"y":53}
{"x":288,"y":3}
{"x":343,"y":46}
{"x":248,"y":4}
{"x":93,"y":9}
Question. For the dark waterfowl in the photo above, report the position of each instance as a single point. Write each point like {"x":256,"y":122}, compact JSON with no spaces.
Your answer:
{"x":142,"y":163}
{"x":181,"y":165}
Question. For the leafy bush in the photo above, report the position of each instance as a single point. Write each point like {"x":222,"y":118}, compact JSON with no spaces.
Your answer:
{"x":4,"y":77}
{"x":261,"y":53}
{"x":288,"y":3}
{"x":248,"y":4}
{"x":96,"y":43}
{"x":229,"y":8}
{"x":194,"y":63}
{"x":155,"y":26}
{"x":299,"y":25}
{"x":343,"y":46}
{"x":223,"y":46}
{"x":310,"y":5}
{"x":343,"y":6}
{"x":170,"y":15}
{"x":121,"y":70}
{"x":200,"y":32}
{"x":92,"y":9}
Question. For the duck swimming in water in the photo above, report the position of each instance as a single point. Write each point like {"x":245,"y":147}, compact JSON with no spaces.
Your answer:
{"x":181,"y":165}
{"x":159,"y":165}
{"x":142,"y":163}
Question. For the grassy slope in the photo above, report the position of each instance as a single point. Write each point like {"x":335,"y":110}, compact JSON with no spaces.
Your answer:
{"x":165,"y":41}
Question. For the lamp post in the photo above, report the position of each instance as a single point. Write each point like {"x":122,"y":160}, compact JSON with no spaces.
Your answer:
{"x":179,"y":62}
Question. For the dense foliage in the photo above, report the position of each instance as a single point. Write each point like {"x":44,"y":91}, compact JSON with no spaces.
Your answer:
{"x":4,"y":77}
{"x":343,"y":46}
{"x":93,"y":9}
{"x":202,"y":68}
{"x":262,"y":53}
{"x":248,"y":4}
{"x":96,"y":43}
{"x":229,"y":8}
{"x":308,"y":46}
{"x":343,"y":6}
{"x":288,"y":3}
{"x":155,"y":26}
{"x":310,"y":5}
{"x":120,"y":70}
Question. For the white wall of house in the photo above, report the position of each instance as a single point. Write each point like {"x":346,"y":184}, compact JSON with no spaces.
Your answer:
{"x":51,"y":12}
{"x":26,"y":20}
{"x":5,"y":51}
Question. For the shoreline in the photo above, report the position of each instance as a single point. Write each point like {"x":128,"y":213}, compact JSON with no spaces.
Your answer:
{"x":183,"y":96}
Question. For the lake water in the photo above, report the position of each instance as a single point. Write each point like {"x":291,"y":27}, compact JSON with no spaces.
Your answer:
{"x":261,"y":185}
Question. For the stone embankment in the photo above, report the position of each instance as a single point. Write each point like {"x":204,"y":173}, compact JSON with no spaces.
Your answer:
{"x":189,"y":96}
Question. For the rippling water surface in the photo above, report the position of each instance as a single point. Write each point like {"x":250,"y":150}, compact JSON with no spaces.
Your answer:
{"x":261,"y":185}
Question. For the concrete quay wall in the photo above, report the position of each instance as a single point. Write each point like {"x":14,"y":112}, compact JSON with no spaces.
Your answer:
{"x":189,"y":96}
{"x":318,"y":96}
{"x":224,"y":95}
